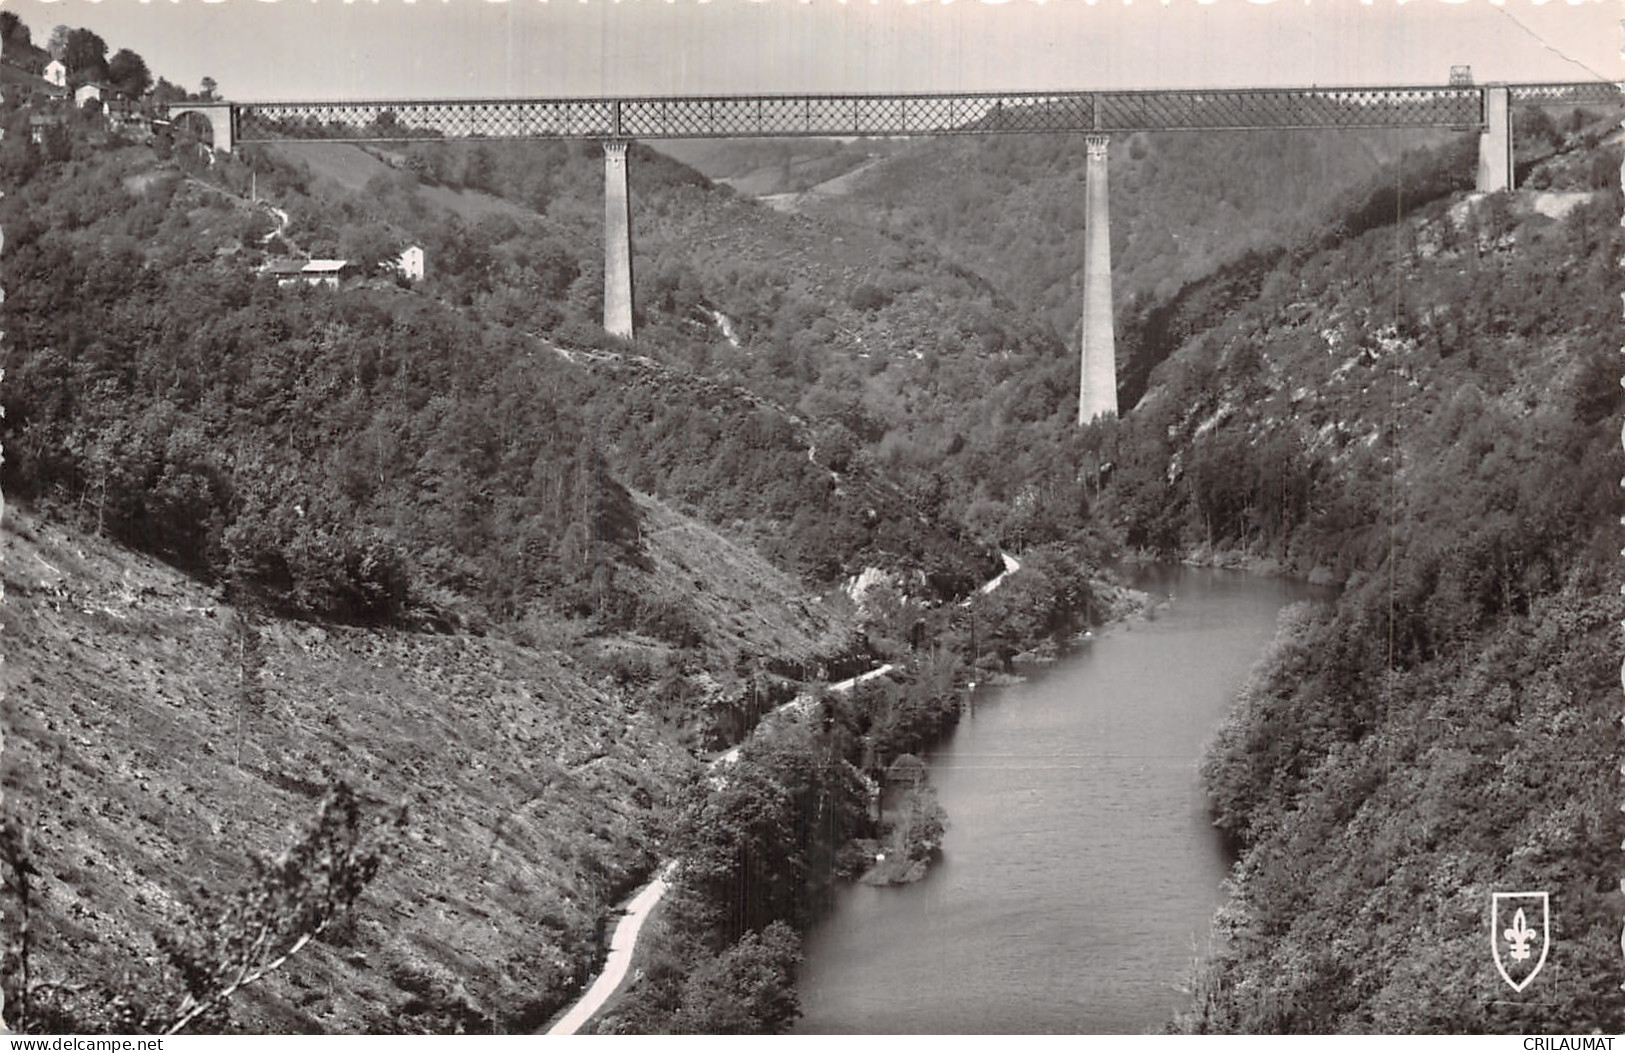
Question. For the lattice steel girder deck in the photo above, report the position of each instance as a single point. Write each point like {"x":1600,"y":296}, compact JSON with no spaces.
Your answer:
{"x":1579,"y":93}
{"x":735,"y":116}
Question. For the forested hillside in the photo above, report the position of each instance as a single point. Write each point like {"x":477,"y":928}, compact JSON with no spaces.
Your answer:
{"x":390,"y":505}
{"x":1012,"y":207}
{"x":445,"y":543}
{"x":444,"y":466}
{"x":1196,"y":220}
{"x":1428,"y":412}
{"x":903,"y":363}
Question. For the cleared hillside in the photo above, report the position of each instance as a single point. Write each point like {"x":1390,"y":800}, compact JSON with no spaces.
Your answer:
{"x":153,"y":758}
{"x":158,"y":736}
{"x":352,"y":168}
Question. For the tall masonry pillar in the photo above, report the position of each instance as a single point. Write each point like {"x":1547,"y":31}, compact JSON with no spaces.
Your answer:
{"x":224,"y":122}
{"x":617,"y":242}
{"x":1097,"y":392}
{"x":1495,"y":141}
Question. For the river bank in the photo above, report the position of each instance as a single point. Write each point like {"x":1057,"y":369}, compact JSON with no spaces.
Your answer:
{"x":1079,"y":870}
{"x":1118,"y":605}
{"x":1243,"y":560}
{"x":907,"y":705}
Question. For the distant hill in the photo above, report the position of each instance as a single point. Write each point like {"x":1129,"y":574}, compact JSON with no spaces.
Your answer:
{"x":1012,"y":207}
{"x":767,"y":167}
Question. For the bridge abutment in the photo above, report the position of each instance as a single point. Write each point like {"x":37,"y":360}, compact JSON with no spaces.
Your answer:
{"x":1097,"y":391}
{"x":222,"y":118}
{"x":617,"y":242}
{"x":1495,"y":141}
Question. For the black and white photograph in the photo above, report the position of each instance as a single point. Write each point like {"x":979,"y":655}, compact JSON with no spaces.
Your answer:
{"x":811,"y":517}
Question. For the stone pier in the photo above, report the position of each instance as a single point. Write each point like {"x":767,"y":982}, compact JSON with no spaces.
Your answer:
{"x":617,"y":242}
{"x":1495,"y":141}
{"x":1097,"y":392}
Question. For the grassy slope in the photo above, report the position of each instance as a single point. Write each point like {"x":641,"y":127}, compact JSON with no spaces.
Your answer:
{"x":351,"y":168}
{"x":536,"y":796}
{"x":730,"y":585}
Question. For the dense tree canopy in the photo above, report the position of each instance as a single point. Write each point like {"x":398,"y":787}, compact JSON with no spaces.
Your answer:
{"x":85,"y":55}
{"x":1439,"y":730}
{"x":128,"y":73}
{"x":1415,"y":400}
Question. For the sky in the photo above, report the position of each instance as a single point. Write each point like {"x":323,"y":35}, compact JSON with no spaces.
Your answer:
{"x":261,"y":50}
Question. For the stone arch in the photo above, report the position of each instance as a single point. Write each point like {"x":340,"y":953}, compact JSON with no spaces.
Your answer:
{"x":196,"y":124}
{"x":210,"y":121}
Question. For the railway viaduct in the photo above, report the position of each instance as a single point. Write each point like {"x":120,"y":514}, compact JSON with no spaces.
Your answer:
{"x":1096,"y":115}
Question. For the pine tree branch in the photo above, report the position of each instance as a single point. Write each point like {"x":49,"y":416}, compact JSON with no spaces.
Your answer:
{"x":244,"y":977}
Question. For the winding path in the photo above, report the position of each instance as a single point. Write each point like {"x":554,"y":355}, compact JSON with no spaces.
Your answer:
{"x":621,"y":945}
{"x":802,"y":704}
{"x":1011,"y":565}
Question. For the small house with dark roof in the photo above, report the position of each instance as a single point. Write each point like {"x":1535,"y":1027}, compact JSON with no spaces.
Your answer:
{"x":122,"y":112}
{"x":286,"y":272}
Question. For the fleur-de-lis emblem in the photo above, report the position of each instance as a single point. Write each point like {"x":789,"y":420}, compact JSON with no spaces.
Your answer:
{"x":1519,"y":936}
{"x":1520,"y":948}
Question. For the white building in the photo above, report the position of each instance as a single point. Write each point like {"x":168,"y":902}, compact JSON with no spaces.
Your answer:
{"x":410,"y":263}
{"x":87,"y":91}
{"x":57,"y":73}
{"x":312,"y":272}
{"x":325,"y":272}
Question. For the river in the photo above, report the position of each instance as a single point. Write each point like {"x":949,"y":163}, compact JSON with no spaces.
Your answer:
{"x":1080,"y":872}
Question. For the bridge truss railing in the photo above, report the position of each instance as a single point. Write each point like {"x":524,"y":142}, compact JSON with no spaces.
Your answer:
{"x":709,"y":117}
